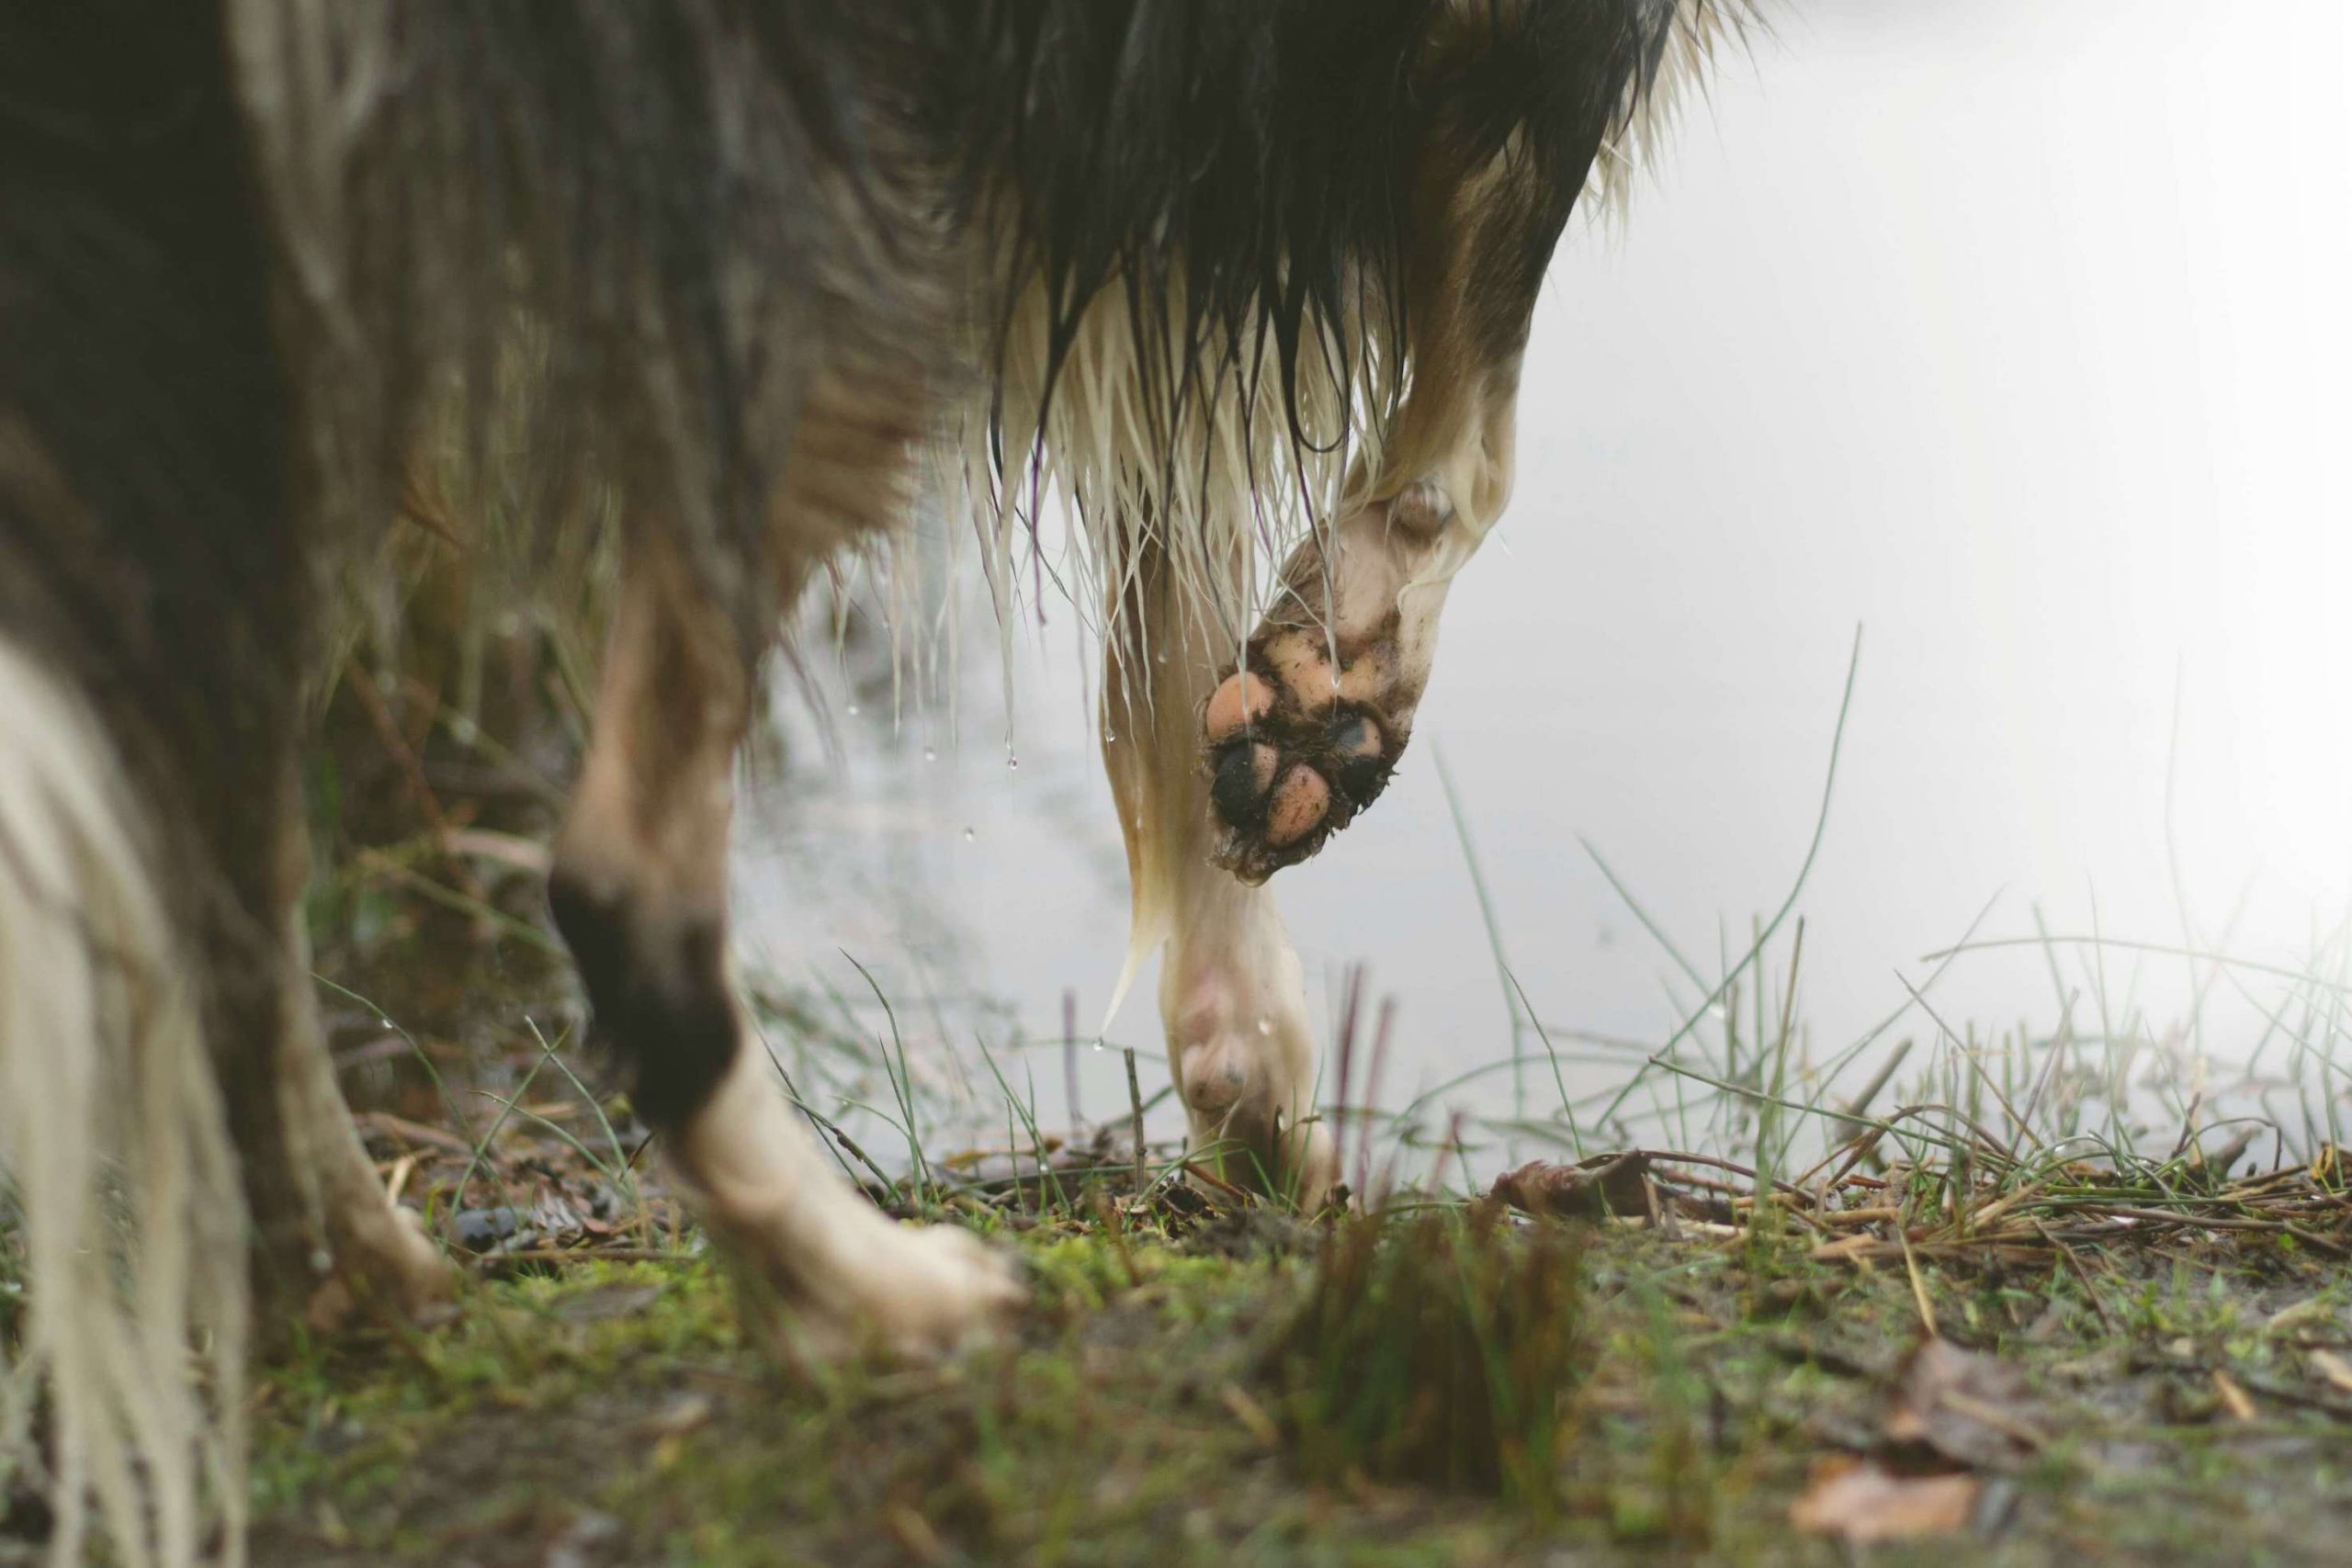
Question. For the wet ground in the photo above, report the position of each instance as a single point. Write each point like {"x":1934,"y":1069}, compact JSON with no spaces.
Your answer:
{"x":1717,"y":1398}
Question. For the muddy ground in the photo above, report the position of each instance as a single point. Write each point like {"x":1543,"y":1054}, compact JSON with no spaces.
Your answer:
{"x":1204,"y":1378}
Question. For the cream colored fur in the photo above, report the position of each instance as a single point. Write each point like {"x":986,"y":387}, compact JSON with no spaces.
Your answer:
{"x":112,"y":1137}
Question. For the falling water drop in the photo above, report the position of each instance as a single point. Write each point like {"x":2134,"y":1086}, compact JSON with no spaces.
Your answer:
{"x":931,"y":753}
{"x":1265,"y":1026}
{"x":1013,"y":762}
{"x":851,"y":710}
{"x":969,"y":835}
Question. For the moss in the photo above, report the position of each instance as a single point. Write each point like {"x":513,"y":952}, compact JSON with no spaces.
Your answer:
{"x":1139,"y":1416}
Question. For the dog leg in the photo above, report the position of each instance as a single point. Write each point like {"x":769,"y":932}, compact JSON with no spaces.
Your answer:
{"x":1304,"y":729}
{"x":380,"y":1255}
{"x":328,"y":1238}
{"x":639,"y":893}
{"x":1231,"y":997}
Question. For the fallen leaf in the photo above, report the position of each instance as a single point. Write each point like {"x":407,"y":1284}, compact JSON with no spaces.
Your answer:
{"x":1862,"y":1505}
{"x":1963,"y":1406}
{"x":1605,"y":1184}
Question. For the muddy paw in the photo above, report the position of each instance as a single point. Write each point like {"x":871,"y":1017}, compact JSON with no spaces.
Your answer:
{"x":1297,"y":747}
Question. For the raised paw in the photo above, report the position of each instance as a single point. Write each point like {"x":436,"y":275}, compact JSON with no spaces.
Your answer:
{"x":1297,"y":746}
{"x":1305,"y":732}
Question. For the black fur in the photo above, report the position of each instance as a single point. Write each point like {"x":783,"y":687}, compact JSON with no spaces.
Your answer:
{"x":662,"y":997}
{"x":149,"y":547}
{"x":1244,"y":173}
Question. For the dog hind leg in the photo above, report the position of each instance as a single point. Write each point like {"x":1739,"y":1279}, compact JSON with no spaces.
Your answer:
{"x":380,"y":1259}
{"x":1232,"y":999}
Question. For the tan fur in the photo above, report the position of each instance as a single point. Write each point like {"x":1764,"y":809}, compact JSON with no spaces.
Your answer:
{"x":647,"y":832}
{"x":1232,"y":997}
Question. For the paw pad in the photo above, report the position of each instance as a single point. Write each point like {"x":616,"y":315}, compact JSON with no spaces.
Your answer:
{"x":1293,"y":753}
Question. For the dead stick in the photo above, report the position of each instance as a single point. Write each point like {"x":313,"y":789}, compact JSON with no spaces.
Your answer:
{"x":2182,"y":1217}
{"x":1135,"y":1103}
{"x":1069,"y":1055}
{"x":1674,"y":1156}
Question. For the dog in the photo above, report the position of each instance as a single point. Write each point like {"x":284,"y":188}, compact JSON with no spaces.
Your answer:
{"x":1244,"y":284}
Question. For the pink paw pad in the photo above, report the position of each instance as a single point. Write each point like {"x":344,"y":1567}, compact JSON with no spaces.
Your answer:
{"x":1296,"y":748}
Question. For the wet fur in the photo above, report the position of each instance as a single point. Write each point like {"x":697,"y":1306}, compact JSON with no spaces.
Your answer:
{"x":1211,"y":271}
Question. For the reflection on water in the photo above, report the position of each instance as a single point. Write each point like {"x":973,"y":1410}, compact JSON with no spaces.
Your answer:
{"x":2012,"y":332}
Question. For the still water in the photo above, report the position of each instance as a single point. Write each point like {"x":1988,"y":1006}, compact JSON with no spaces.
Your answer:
{"x":2012,"y":332}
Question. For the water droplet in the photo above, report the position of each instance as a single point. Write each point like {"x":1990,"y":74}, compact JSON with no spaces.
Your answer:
{"x":1110,"y":738}
{"x":931,"y":753}
{"x":969,"y":835}
{"x":1013,"y":762}
{"x":1098,"y":1045}
{"x":1716,"y":1009}
{"x":1161,"y":657}
{"x":1265,"y":1026}
{"x":853,"y":710}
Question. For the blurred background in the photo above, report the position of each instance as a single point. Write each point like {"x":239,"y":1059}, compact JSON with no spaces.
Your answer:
{"x":2014,"y":334}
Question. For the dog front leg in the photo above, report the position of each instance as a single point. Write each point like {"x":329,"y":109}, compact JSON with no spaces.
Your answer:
{"x":640,"y":891}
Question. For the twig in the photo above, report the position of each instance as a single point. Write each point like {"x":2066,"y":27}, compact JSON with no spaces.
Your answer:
{"x":391,"y":1126}
{"x":1227,"y":1188}
{"x":1918,"y":1286}
{"x":1674,"y":1156}
{"x":1134,"y":1105}
{"x":1069,"y":1055}
{"x":2188,"y":1221}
